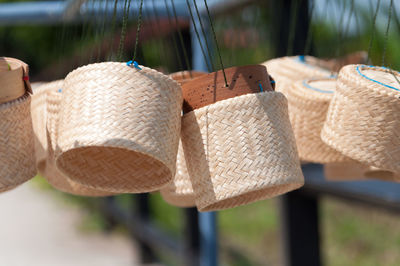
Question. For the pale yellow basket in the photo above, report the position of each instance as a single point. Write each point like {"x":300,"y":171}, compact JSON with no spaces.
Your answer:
{"x":179,"y":192}
{"x":363,"y":120}
{"x":348,"y":171}
{"x":286,"y":70}
{"x":240,"y":150}
{"x":308,"y":105}
{"x":119,"y":128}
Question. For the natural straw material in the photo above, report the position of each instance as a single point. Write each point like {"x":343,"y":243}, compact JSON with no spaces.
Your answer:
{"x":240,"y":150}
{"x":286,"y":70}
{"x":119,"y":128}
{"x":179,"y":192}
{"x":348,"y":171}
{"x":14,"y":79}
{"x":17,"y":154}
{"x":308,"y":105}
{"x":50,"y":172}
{"x":363,"y":120}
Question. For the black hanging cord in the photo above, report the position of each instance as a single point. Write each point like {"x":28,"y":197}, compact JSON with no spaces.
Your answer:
{"x":204,"y":34}
{"x":373,"y":30}
{"x":123,"y":30}
{"x":216,"y":43}
{"x":387,"y":33}
{"x":293,"y":16}
{"x":181,"y":40}
{"x":173,"y":37}
{"x":307,"y":48}
{"x":113,"y":25}
{"x":139,"y":26}
{"x":198,"y":36}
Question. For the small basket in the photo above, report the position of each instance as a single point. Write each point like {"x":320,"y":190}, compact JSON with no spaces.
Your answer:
{"x":17,"y":151}
{"x":286,"y":70}
{"x":308,"y":105}
{"x":241,"y":149}
{"x":179,"y":192}
{"x":50,"y":172}
{"x":119,"y":128}
{"x":363,"y":119}
{"x":351,"y":171}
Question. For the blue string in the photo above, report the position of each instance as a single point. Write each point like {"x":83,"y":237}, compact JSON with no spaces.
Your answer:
{"x":302,"y":58}
{"x":261,"y":88}
{"x":59,"y":90}
{"x":305,"y":84}
{"x":373,"y":80}
{"x":135,"y":64}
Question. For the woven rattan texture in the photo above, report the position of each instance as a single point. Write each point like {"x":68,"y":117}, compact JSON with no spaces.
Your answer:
{"x":50,"y":172}
{"x":348,"y":171}
{"x":17,"y":152}
{"x":119,"y":128}
{"x":307,"y":112}
{"x":38,"y":113}
{"x":241,"y":150}
{"x":286,"y":70}
{"x":363,"y":120}
{"x":179,"y":192}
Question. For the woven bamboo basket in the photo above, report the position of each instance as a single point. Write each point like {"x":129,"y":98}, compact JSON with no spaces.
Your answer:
{"x":17,"y":157}
{"x":119,"y":128}
{"x":348,"y":171}
{"x":50,"y":172}
{"x":241,"y":149}
{"x":308,"y":105}
{"x":286,"y":70}
{"x":363,"y":119}
{"x":179,"y":192}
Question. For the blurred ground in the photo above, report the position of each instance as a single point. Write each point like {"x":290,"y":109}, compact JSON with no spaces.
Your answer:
{"x":37,"y":229}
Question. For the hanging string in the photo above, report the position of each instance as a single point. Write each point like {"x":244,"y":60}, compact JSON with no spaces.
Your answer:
{"x":216,"y":43}
{"x":113,"y":26}
{"x":181,"y":40}
{"x":123,"y":30}
{"x":373,"y":30}
{"x":198,"y":37}
{"x":101,"y":34}
{"x":175,"y":44}
{"x":307,"y":48}
{"x":387,"y":33}
{"x":204,"y":34}
{"x":293,"y":15}
{"x":139,"y":26}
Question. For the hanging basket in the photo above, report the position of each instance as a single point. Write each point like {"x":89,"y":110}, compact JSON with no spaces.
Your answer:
{"x":350,"y":171}
{"x":57,"y":179}
{"x":238,"y":142}
{"x":364,"y":117}
{"x":179,"y":192}
{"x":308,"y":105}
{"x":286,"y":70}
{"x":119,"y":128}
{"x":17,"y":158}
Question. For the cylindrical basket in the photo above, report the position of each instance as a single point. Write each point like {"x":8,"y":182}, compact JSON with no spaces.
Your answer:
{"x":17,"y":154}
{"x":179,"y":192}
{"x":363,"y":119}
{"x":286,"y":70}
{"x":50,"y":172}
{"x":241,"y":149}
{"x":119,"y":128}
{"x":348,"y":171}
{"x":308,"y":105}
